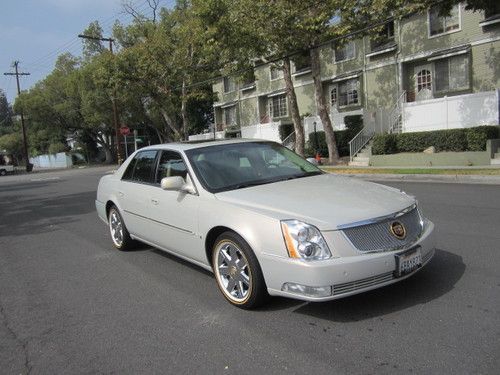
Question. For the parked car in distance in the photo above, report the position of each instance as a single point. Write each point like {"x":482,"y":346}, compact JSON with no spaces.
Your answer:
{"x":264,"y":220}
{"x":6,"y":164}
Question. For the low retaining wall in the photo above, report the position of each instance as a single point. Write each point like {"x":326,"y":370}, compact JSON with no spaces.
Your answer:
{"x":439,"y":159}
{"x":419,"y":159}
{"x":60,"y":160}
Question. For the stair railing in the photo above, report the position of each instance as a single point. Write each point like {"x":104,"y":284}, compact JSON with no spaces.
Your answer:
{"x":289,"y":141}
{"x":359,"y":141}
{"x":395,"y":116}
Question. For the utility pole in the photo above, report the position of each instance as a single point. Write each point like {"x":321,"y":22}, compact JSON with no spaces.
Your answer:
{"x":113,"y":99}
{"x":15,"y":65}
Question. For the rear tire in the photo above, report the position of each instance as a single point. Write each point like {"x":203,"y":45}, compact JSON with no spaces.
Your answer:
{"x":3,"y":172}
{"x":237,"y":272}
{"x":118,"y":231}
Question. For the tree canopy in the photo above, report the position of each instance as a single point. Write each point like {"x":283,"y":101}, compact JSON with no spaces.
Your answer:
{"x":164,"y":62}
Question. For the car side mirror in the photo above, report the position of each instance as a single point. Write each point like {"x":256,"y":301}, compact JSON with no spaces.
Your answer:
{"x":176,"y":183}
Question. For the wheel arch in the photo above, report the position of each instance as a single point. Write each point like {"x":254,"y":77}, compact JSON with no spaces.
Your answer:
{"x":110,"y":204}
{"x":211,"y":237}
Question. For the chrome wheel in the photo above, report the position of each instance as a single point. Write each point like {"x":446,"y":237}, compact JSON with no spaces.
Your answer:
{"x":232,"y":271}
{"x":116,"y":228}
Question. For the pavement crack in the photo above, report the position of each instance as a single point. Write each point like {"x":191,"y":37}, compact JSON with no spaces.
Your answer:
{"x":23,"y":344}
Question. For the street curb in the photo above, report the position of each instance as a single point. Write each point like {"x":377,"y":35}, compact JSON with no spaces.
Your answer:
{"x":457,"y":179}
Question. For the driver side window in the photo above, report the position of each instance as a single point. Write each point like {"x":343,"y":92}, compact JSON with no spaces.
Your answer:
{"x":171,"y":164}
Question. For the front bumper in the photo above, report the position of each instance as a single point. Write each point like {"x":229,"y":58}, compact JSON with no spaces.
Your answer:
{"x":347,"y":275}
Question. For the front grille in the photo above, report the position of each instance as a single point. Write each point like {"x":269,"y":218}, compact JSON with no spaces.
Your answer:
{"x":362,"y":284}
{"x":378,"y":237}
{"x":373,"y":280}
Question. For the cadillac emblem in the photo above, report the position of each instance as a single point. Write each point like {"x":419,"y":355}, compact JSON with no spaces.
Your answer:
{"x":398,"y":230}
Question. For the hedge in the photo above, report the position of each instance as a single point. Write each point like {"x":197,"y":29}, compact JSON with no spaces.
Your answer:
{"x":342,"y":137}
{"x":458,"y":140}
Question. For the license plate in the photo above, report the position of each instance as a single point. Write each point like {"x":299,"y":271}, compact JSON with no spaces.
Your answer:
{"x":408,"y":261}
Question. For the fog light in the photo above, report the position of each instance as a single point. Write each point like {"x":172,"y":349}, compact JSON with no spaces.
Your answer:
{"x":310,"y":291}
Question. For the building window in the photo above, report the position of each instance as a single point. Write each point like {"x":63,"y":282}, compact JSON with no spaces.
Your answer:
{"x":348,"y":92}
{"x":276,"y":73}
{"x":230,"y":115}
{"x":452,"y":74}
{"x":443,"y":24}
{"x":384,"y":38}
{"x":229,"y":84}
{"x":424,"y":80}
{"x":278,"y":106}
{"x":333,"y":96}
{"x":345,"y":52}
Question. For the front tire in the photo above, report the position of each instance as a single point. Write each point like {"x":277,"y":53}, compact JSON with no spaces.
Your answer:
{"x":237,"y":272}
{"x":3,"y":172}
{"x":118,"y":231}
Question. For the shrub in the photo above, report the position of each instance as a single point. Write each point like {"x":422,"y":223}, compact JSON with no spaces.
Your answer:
{"x":457,"y":140}
{"x":342,"y":137}
{"x":477,"y":137}
{"x":384,"y":144}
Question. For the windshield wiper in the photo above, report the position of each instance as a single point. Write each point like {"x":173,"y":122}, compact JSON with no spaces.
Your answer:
{"x":251,"y":183}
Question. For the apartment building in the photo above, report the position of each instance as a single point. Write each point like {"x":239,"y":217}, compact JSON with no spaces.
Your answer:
{"x":422,"y":72}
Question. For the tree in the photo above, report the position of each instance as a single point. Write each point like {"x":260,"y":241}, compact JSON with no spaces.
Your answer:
{"x":160,"y":60}
{"x":261,"y":28}
{"x":5,"y":114}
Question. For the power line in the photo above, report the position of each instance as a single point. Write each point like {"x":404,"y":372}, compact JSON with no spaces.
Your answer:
{"x":70,"y":45}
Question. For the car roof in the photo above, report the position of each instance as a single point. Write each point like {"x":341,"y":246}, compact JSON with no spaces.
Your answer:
{"x":189,"y":145}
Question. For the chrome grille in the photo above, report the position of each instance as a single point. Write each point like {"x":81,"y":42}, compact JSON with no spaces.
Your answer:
{"x":378,"y":237}
{"x":373,"y":280}
{"x":361,"y":284}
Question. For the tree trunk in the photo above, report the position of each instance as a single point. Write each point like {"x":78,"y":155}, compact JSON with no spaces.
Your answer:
{"x":294,"y":108}
{"x":100,"y":139}
{"x":172,"y":126}
{"x":333,"y":154}
{"x":184,"y":111}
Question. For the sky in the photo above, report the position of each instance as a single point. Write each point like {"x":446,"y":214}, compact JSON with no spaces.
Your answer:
{"x":35,"y":32}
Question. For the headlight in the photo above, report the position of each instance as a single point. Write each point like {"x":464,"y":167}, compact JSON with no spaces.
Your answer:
{"x":304,"y":241}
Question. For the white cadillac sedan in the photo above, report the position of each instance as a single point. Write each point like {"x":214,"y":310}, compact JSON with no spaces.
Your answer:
{"x":264,"y":220}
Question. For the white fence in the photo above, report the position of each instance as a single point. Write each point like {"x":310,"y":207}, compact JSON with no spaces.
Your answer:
{"x":461,"y":111}
{"x":269,"y":131}
{"x":206,"y":136}
{"x":60,"y":160}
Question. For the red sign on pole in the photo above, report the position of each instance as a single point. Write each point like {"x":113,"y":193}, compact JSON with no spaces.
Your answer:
{"x":124,"y":130}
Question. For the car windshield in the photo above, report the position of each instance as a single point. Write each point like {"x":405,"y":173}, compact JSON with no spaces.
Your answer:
{"x":240,"y":165}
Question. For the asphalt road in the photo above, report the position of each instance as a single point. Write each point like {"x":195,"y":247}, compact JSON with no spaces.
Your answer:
{"x":70,"y":303}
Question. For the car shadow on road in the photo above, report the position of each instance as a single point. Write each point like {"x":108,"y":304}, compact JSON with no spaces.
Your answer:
{"x":435,"y":280}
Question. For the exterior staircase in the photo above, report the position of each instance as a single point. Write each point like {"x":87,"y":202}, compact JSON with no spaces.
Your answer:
{"x":362,"y":158}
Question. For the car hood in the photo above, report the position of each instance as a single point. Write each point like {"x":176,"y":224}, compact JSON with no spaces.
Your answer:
{"x":325,"y":201}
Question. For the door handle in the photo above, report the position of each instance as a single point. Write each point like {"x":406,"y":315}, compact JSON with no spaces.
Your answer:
{"x":154,"y":201}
